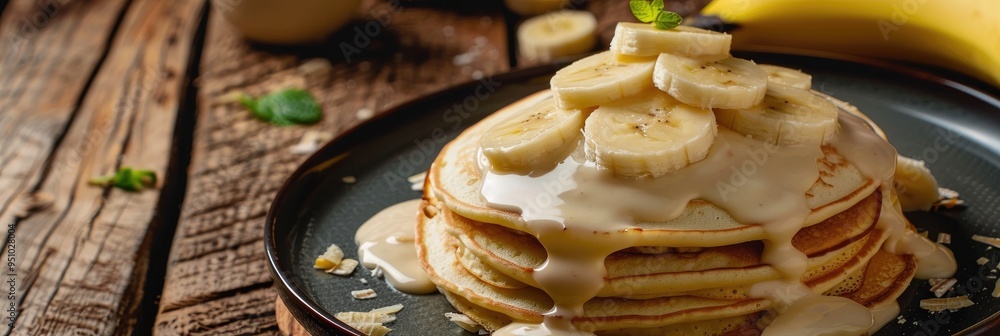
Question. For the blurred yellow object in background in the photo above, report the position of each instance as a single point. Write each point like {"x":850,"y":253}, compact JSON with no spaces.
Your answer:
{"x":557,"y":34}
{"x":293,"y":21}
{"x":960,"y":35}
{"x":534,"y":7}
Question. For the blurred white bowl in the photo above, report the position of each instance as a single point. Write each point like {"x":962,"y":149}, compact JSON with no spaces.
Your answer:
{"x":287,"y":21}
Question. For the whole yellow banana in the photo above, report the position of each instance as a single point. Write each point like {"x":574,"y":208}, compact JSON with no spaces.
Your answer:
{"x":962,"y":35}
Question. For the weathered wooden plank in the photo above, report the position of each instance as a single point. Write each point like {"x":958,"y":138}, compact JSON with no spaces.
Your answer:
{"x":47,"y":57}
{"x":238,"y":162}
{"x":78,"y":257}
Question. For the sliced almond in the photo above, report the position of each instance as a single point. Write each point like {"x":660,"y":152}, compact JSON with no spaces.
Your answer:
{"x":331,"y":258}
{"x":345,"y":268}
{"x":940,"y":304}
{"x":371,"y":329}
{"x":995,"y":242}
{"x":365,"y":317}
{"x":388,"y":309}
{"x":943,"y":287}
{"x":464,"y":321}
{"x":364,"y":294}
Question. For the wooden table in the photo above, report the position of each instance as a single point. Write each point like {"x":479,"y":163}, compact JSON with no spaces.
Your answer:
{"x":87,"y":87}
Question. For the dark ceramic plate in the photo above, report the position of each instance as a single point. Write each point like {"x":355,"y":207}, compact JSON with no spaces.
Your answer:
{"x":954,"y":128}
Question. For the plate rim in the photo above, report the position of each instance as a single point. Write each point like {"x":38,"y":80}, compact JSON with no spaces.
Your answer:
{"x":301,"y":306}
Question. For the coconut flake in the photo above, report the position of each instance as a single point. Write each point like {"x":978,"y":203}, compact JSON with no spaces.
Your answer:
{"x":943,"y":287}
{"x":994,"y":242}
{"x":952,"y":303}
{"x":464,"y":321}
{"x":388,"y":309}
{"x":345,"y":268}
{"x":364,"y":294}
{"x":944,"y":238}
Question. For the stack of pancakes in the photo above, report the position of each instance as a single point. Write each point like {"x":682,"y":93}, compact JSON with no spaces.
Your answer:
{"x":691,"y":276}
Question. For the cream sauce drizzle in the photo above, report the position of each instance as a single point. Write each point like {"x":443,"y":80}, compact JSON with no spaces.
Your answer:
{"x":883,"y":315}
{"x":802,"y":312}
{"x":386,"y":242}
{"x":570,"y":207}
{"x":523,"y":329}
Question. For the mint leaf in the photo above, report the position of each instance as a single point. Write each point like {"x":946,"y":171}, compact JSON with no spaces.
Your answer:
{"x":642,"y":10}
{"x":127,"y":179}
{"x":657,"y":6}
{"x":653,"y":12}
{"x":668,"y":20}
{"x":285,"y":107}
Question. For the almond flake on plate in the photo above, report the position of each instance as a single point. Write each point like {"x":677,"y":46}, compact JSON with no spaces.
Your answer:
{"x":364,"y":294}
{"x":345,"y":268}
{"x":996,"y":289}
{"x":943,"y":287}
{"x":982,"y":261}
{"x":944,"y":238}
{"x":464,"y":321}
{"x":330,"y":259}
{"x":940,"y":304}
{"x":994,"y":242}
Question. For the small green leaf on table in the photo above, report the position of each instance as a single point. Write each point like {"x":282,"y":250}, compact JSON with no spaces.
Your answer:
{"x":127,"y":179}
{"x":285,"y":107}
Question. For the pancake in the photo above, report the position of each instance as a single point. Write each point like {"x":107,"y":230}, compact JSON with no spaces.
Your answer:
{"x":436,"y":248}
{"x":456,"y":180}
{"x":482,"y":301}
{"x":829,"y":244}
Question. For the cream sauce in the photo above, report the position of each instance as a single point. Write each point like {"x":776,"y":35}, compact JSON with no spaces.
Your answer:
{"x":570,"y":207}
{"x":883,"y":315}
{"x":386,"y":242}
{"x":576,"y":202}
{"x":524,"y":329}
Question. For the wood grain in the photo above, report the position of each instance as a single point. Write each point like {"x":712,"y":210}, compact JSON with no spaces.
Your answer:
{"x":286,"y":322}
{"x":78,"y":258}
{"x":217,"y":261}
{"x":45,"y":66}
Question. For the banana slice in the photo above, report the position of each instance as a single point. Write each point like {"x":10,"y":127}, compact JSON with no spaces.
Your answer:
{"x":599,"y":79}
{"x":916,"y":188}
{"x":786,"y":76}
{"x":648,"y":135}
{"x":786,"y":116}
{"x":534,"y":139}
{"x":557,"y":34}
{"x":643,"y":39}
{"x":731,"y":83}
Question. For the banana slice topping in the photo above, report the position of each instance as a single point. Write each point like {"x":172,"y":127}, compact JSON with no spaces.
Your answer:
{"x":731,"y":83}
{"x":786,"y":76}
{"x":600,"y":79}
{"x":786,"y":116}
{"x":535,"y":139}
{"x":642,"y":39}
{"x":648,"y":135}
